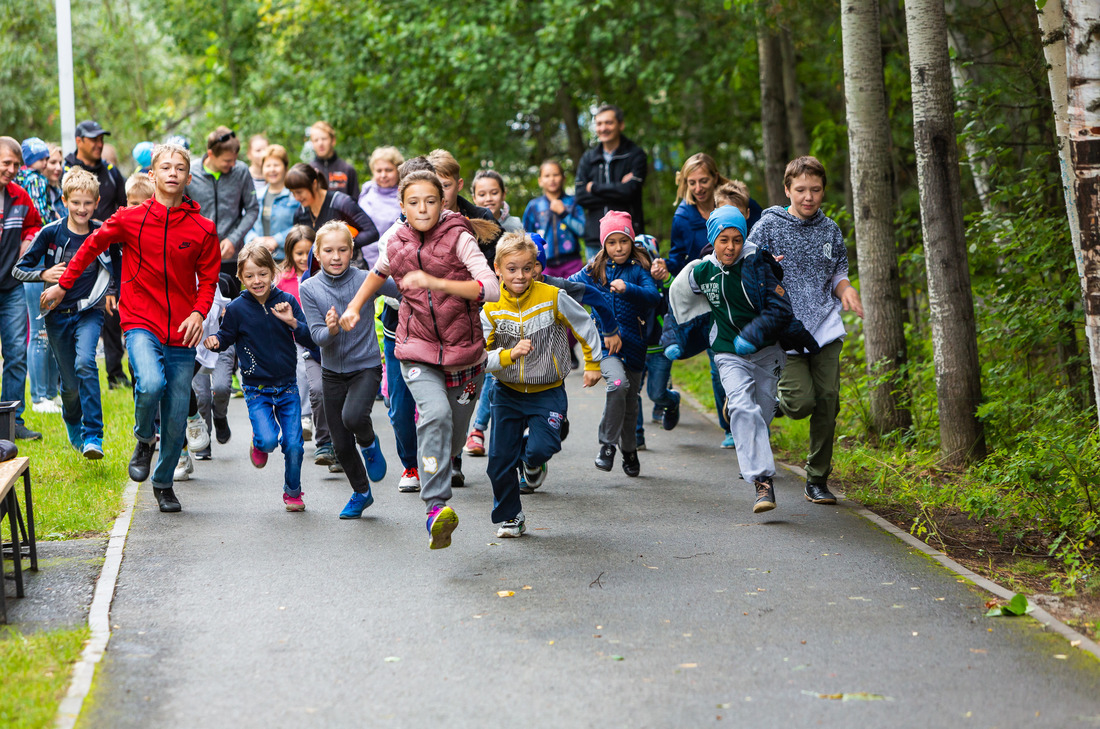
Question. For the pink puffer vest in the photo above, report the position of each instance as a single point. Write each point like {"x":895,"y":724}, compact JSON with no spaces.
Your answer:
{"x":433,"y":327}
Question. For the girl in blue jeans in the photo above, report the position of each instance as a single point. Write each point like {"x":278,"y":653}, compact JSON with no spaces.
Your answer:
{"x":264,"y":323}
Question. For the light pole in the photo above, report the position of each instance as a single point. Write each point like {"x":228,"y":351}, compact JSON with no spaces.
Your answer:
{"x":65,"y":75}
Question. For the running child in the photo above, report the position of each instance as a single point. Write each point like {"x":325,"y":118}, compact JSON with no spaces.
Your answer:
{"x":266,"y":323}
{"x":436,"y":260}
{"x":620,"y":270}
{"x":528,"y":352}
{"x":488,"y":188}
{"x":351,"y":363}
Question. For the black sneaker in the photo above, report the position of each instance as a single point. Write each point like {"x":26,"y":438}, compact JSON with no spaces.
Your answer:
{"x":631,"y":466}
{"x":533,"y":477}
{"x":457,"y":479}
{"x":22,"y":432}
{"x":113,"y":383}
{"x":202,"y":455}
{"x":819,"y":493}
{"x":139,"y":462}
{"x":606,"y":459}
{"x":765,"y":496}
{"x":658,"y":414}
{"x":167,"y":501}
{"x":221,"y":430}
{"x":671,"y":417}
{"x":639,"y":442}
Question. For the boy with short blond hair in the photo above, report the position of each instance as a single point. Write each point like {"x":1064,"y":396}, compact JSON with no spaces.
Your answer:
{"x":139,"y":188}
{"x":73,"y":327}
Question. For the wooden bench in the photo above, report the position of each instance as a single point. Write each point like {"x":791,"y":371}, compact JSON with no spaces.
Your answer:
{"x":22,"y":542}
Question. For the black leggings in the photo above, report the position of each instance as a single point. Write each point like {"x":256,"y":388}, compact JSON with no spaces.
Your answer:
{"x":349,"y":397}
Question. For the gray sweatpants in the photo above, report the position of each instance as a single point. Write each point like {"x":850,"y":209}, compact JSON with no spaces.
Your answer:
{"x":620,"y":410}
{"x":213,"y":391}
{"x":441,"y":428}
{"x":750,"y":384}
{"x":309,"y":387}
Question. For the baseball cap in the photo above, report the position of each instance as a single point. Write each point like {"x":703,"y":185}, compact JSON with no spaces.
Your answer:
{"x":90,"y":129}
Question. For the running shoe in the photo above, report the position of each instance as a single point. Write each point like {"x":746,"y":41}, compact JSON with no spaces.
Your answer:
{"x":442,"y":521}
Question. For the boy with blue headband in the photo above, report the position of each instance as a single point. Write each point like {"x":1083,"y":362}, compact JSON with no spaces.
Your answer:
{"x":752,"y":326}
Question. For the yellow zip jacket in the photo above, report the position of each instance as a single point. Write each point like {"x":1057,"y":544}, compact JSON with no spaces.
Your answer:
{"x":543,"y":314}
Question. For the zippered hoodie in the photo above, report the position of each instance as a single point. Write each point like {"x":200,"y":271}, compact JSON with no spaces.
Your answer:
{"x":609,"y":192}
{"x":815,"y":261}
{"x":633,"y":309}
{"x":19,"y":221}
{"x":163,"y":252}
{"x":228,"y":199}
{"x":265,"y":344}
{"x":54,"y":244}
{"x":344,"y":351}
{"x":341,"y":176}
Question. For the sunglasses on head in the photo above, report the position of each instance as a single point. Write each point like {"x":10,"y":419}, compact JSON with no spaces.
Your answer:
{"x":223,"y":138}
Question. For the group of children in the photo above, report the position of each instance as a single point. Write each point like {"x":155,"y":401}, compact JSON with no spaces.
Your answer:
{"x":477,"y":303}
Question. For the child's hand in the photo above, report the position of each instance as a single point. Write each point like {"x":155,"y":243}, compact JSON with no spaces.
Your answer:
{"x":557,"y":206}
{"x":53,"y":274}
{"x":521,"y":349}
{"x":229,"y":251}
{"x":613,"y":343}
{"x":51,"y":297}
{"x":212,"y":343}
{"x":332,"y":321}
{"x":659,"y":271}
{"x":742,"y":346}
{"x":419,"y":280}
{"x":618,"y":286}
{"x":849,"y":299}
{"x":285,"y":314}
{"x":111,"y":304}
{"x":348,"y":319}
{"x":591,"y":377}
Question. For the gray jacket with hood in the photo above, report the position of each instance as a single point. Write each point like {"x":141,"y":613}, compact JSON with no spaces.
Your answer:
{"x":229,"y":200}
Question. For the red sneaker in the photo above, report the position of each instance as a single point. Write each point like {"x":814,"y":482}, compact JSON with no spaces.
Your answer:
{"x":475,"y":444}
{"x":259,"y":458}
{"x":410,"y":481}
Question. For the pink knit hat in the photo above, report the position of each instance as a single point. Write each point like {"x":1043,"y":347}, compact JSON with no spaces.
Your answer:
{"x":616,"y":222}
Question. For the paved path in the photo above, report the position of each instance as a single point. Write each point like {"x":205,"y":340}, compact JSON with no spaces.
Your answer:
{"x":653,"y":602}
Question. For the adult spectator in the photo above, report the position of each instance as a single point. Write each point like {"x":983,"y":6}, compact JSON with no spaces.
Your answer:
{"x":610,"y":177}
{"x":54,"y":168}
{"x":170,"y":271}
{"x":277,"y":206}
{"x":222,"y":186}
{"x":19,"y":224}
{"x":320,"y":205}
{"x":378,"y":198}
{"x":340,"y":175}
{"x":257,"y":145}
{"x":112,"y":196}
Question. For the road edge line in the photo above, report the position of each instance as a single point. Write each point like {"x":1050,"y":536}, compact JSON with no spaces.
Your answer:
{"x":99,"y":616}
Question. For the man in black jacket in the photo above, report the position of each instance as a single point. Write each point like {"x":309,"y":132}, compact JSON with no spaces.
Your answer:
{"x":112,"y":196}
{"x":610,"y":177}
{"x":340,"y":174}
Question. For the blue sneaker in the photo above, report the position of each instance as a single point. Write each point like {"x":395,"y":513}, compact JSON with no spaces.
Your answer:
{"x":727,"y":442}
{"x":442,"y":521}
{"x":376,"y":462}
{"x":93,"y":449}
{"x":76,"y":436}
{"x":356,"y":504}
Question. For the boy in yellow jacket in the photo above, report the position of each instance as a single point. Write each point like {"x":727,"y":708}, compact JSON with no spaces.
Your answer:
{"x":526,"y":335}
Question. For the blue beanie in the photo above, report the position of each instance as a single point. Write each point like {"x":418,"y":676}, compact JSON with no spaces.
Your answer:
{"x":724,"y":217}
{"x":34,"y":149}
{"x":143,"y":154}
{"x":540,"y":246}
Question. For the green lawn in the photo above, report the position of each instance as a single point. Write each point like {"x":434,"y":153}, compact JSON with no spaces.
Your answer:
{"x":35,"y":674}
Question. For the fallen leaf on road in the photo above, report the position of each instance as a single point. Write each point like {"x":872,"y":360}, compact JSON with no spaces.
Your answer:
{"x":493,"y":544}
{"x":1061,"y":656}
{"x":724,"y":706}
{"x":978,"y":650}
{"x":549,"y":642}
{"x":527,"y":587}
{"x":616,"y":658}
{"x":689,"y":665}
{"x":650,"y":566}
{"x":855,"y":696}
{"x":505,"y":593}
{"x":391,"y":659}
{"x":1018,"y":605}
{"x":1074,"y":643}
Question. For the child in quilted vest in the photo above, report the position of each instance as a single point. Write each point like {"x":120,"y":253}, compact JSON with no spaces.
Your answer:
{"x":435,"y":259}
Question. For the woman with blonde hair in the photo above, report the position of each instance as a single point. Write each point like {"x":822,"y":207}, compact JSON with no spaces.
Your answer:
{"x":378,"y":198}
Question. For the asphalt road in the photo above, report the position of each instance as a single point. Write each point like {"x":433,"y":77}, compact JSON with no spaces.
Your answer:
{"x":660,"y":601}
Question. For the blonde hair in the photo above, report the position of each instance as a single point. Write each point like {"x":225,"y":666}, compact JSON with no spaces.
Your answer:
{"x":323,"y":126}
{"x":390,"y":154}
{"x":694,"y":162}
{"x":276,"y":150}
{"x":259,"y":255}
{"x":139,"y":185}
{"x":733,"y":192}
{"x":332,"y":227}
{"x":445,"y":164}
{"x":513,"y":244}
{"x":79,"y":180}
{"x":171,"y":150}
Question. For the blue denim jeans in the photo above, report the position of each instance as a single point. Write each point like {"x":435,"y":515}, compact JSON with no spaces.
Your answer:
{"x":658,"y":369}
{"x":73,"y":337}
{"x":13,"y":348}
{"x":275,"y":409}
{"x":162,"y":376}
{"x":483,"y":414}
{"x":402,"y":407}
{"x":41,"y":365}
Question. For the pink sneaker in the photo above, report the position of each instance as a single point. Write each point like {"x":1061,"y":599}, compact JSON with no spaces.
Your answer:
{"x":259,"y":458}
{"x":293,"y":503}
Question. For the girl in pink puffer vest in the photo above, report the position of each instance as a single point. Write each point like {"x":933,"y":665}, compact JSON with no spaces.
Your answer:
{"x":435,"y":259}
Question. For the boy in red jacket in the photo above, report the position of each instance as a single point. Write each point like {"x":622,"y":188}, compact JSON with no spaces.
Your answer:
{"x":170,"y":268}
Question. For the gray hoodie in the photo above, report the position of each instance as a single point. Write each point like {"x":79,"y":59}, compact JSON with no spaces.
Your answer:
{"x":229,"y":200}
{"x":814,"y":262}
{"x":344,"y":351}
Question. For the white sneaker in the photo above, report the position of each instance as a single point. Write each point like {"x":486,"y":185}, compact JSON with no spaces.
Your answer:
{"x":198,"y":437}
{"x":184,"y":467}
{"x":513,"y":527}
{"x":46,"y":406}
{"x":410,"y":481}
{"x":307,"y":428}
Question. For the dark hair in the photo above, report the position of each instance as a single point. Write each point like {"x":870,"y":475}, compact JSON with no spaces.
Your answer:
{"x":609,"y":107}
{"x":416,"y":164}
{"x":597,"y":269}
{"x":805,"y":165}
{"x":488,"y":175}
{"x":222,"y":140}
{"x":418,"y":176}
{"x":294,"y":236}
{"x":302,"y":176}
{"x":552,"y":162}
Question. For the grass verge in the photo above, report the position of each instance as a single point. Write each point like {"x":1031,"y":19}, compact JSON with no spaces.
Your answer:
{"x":35,"y":674}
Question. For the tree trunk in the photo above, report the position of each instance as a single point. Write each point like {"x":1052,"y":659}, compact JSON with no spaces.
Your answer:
{"x":954,"y":331}
{"x":1082,"y":48}
{"x":873,"y":203}
{"x":796,"y":125}
{"x":572,"y":126}
{"x":773,"y":123}
{"x":961,"y":77}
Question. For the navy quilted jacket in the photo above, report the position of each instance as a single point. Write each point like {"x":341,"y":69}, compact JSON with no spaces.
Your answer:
{"x":633,"y":309}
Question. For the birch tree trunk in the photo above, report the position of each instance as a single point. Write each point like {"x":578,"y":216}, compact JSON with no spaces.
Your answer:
{"x":961,"y":77}
{"x":873,"y":203}
{"x":1082,"y":49}
{"x":773,"y":123}
{"x":954,"y":332}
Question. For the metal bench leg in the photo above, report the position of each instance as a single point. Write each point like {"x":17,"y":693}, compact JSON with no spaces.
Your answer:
{"x":17,"y":552}
{"x":28,"y":504}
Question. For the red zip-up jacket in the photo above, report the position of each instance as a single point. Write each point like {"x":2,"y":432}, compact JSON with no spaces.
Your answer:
{"x":163,"y":252}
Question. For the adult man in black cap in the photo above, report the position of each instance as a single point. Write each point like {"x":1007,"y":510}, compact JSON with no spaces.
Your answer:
{"x":112,"y":196}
